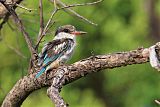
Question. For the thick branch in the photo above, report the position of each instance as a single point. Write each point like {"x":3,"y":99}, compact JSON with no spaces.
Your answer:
{"x":54,"y":91}
{"x":28,"y":84}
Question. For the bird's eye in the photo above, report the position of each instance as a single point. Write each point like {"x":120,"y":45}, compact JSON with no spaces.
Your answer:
{"x":66,"y":30}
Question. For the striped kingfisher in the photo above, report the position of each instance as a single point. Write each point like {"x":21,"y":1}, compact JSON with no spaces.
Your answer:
{"x":59,"y":50}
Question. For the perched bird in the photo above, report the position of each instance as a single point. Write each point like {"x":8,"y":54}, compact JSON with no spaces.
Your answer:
{"x":59,"y":50}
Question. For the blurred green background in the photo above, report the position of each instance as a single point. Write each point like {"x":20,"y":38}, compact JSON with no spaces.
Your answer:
{"x":123,"y":25}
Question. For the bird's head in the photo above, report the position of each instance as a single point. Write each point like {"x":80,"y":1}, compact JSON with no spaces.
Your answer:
{"x":69,"y":29}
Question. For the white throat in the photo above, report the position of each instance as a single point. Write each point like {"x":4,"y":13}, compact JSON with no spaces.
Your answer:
{"x":62,"y":35}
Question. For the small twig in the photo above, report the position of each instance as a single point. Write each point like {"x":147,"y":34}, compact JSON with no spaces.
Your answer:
{"x":64,"y":7}
{"x":25,"y":8}
{"x":50,"y":20}
{"x":55,"y":4}
{"x":13,"y":3}
{"x":28,"y":14}
{"x":46,"y":27}
{"x":51,"y":25}
{"x":75,"y":13}
{"x":41,"y":19}
{"x":83,"y":4}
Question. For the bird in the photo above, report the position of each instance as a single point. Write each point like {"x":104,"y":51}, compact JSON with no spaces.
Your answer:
{"x":59,"y":50}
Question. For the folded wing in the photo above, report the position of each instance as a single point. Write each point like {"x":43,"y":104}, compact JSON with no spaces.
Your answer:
{"x":53,"y":51}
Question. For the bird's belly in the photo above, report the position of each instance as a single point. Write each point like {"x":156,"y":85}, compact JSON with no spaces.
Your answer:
{"x":66,"y":56}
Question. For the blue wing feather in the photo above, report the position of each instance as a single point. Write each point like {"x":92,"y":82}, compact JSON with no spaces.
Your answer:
{"x":50,"y":56}
{"x":41,"y":72}
{"x":50,"y":59}
{"x":46,"y":61}
{"x":45,"y":56}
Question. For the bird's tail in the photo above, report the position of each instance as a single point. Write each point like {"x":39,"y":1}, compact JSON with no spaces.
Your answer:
{"x":40,"y":72}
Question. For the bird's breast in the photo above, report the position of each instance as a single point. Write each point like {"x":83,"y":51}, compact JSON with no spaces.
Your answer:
{"x":68,"y":54}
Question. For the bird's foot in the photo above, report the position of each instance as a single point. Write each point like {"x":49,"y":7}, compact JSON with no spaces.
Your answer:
{"x":46,"y":75}
{"x":62,"y":64}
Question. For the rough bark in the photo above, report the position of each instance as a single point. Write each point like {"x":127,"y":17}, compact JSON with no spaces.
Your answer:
{"x":3,"y":10}
{"x":4,"y":14}
{"x":79,"y":69}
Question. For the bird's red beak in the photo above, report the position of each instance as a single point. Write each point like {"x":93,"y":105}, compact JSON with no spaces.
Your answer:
{"x":78,"y":32}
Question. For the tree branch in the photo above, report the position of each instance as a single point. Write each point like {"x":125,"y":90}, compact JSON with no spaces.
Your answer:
{"x":54,"y":89}
{"x":73,"y":13}
{"x":72,"y":72}
{"x":4,"y":13}
{"x":63,"y":7}
{"x":41,"y":20}
{"x":46,"y":28}
{"x":83,"y":4}
{"x":21,"y":27}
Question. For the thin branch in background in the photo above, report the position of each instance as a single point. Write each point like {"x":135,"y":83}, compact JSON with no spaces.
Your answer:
{"x":74,"y":13}
{"x":41,"y":29}
{"x":25,"y":8}
{"x":83,"y":4}
{"x":51,"y":25}
{"x":31,"y":14}
{"x":50,"y":33}
{"x":50,"y":20}
{"x":46,"y":27}
{"x":21,"y":27}
{"x":64,"y":7}
{"x":55,"y":4}
{"x":13,"y":3}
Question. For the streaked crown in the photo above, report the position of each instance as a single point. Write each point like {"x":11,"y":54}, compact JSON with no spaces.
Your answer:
{"x":66,"y":29}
